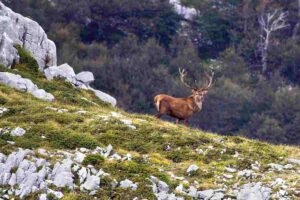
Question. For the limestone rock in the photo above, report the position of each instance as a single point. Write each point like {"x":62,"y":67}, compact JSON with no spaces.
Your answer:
{"x":16,"y":29}
{"x":231,"y":170}
{"x":128,"y":184}
{"x":206,"y":194}
{"x":25,"y":85}
{"x":79,"y":157}
{"x":254,"y":191}
{"x":18,"y":132}
{"x":105,"y":97}
{"x":294,"y":161}
{"x":91,"y":183}
{"x":43,"y":197}
{"x":184,"y":11}
{"x":62,"y":174}
{"x":63,"y":71}
{"x":85,"y":77}
{"x":3,"y":110}
{"x":192,"y":168}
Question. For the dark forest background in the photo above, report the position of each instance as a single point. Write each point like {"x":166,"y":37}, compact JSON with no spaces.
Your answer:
{"x":135,"y":48}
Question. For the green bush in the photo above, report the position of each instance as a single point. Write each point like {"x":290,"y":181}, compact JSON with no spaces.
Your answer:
{"x":27,"y":59}
{"x":176,"y":156}
{"x":93,"y":159}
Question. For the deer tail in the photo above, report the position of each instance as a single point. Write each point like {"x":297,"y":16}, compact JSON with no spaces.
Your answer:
{"x":157,"y":103}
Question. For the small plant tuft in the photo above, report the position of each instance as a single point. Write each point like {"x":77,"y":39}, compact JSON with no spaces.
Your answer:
{"x":27,"y":59}
{"x":94,"y":159}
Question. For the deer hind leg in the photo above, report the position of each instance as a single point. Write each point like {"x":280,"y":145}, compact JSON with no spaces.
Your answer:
{"x":186,"y":122}
{"x":177,"y":121}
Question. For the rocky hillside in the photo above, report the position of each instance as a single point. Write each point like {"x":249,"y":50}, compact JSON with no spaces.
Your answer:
{"x":62,"y":139}
{"x":77,"y":147}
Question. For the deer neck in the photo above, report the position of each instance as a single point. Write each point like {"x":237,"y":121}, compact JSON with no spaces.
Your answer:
{"x":197,"y":103}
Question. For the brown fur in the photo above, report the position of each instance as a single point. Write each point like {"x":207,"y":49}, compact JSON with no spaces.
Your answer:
{"x":179,"y":108}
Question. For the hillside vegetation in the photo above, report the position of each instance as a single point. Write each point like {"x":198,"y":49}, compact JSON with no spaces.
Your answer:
{"x":126,"y":43}
{"x":77,"y":119}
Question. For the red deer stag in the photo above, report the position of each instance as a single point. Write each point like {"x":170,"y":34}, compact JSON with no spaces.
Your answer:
{"x":182,"y":108}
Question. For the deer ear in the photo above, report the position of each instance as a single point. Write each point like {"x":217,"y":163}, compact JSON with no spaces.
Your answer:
{"x":204,"y":91}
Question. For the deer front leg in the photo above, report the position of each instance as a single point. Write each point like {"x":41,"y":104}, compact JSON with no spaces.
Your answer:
{"x":158,"y":115}
{"x":177,"y":121}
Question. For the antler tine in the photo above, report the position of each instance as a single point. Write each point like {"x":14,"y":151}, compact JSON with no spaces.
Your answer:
{"x":183,"y":73}
{"x":210,"y":80}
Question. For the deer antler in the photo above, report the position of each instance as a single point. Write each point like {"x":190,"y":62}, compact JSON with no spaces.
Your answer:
{"x":183,"y":73}
{"x":210,"y":80}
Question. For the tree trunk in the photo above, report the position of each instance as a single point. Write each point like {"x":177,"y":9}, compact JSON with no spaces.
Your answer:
{"x":297,"y":26}
{"x":265,"y":53}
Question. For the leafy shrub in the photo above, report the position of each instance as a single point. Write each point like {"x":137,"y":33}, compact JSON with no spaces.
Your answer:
{"x":93,"y":159}
{"x":27,"y":59}
{"x":176,"y":156}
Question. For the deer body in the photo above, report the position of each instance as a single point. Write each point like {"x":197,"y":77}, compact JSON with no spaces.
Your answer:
{"x":181,"y":108}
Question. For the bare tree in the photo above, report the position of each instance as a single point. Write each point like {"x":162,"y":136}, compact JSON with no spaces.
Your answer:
{"x":297,"y":26}
{"x":270,"y":23}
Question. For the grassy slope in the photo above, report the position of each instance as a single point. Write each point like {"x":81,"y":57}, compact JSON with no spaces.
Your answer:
{"x":147,"y":143}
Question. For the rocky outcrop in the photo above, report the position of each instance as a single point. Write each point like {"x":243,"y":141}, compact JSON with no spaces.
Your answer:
{"x":64,"y":71}
{"x":16,"y":29}
{"x":105,"y":97}
{"x":254,"y":191}
{"x":81,"y":80}
{"x":25,"y":85}
{"x":2,"y":111}
{"x":186,"y":12}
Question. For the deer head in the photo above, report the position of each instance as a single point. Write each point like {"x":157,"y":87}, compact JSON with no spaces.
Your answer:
{"x":198,"y":92}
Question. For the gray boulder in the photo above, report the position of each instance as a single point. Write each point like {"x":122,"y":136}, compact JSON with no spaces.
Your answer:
{"x":105,"y":97}
{"x":63,"y":71}
{"x":186,"y":12}
{"x":81,"y":80}
{"x":91,"y":183}
{"x":85,"y":77}
{"x":294,"y":161}
{"x":16,"y":29}
{"x":18,"y":132}
{"x":66,"y":68}
{"x":192,"y":168}
{"x":253,"y":191}
{"x":62,"y":174}
{"x":128,"y":184}
{"x":3,"y":110}
{"x":25,"y":85}
{"x":42,"y":94}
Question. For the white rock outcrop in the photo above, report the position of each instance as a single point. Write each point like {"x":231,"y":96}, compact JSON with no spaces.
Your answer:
{"x":17,"y":82}
{"x":105,"y":97}
{"x":161,"y":190}
{"x":294,"y":161}
{"x":192,"y":168}
{"x":128,"y":184}
{"x":255,"y":191}
{"x":17,"y":132}
{"x":63,"y":71}
{"x":2,"y":111}
{"x":62,"y":174}
{"x":85,"y":77}
{"x":81,"y":80}
{"x":16,"y":29}
{"x":186,"y":12}
{"x":91,"y":183}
